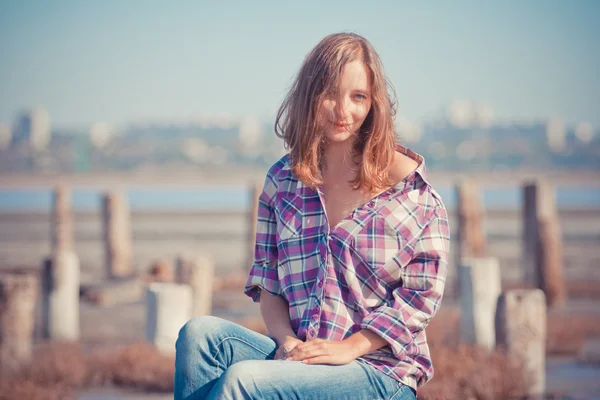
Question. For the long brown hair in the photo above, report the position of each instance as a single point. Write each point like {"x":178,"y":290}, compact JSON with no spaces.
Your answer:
{"x":297,"y":121}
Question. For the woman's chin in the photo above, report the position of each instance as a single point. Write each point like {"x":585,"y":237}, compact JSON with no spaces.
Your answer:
{"x":336,"y":136}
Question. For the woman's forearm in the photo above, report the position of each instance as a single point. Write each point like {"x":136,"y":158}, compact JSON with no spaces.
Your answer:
{"x":275,"y":313}
{"x":364,"y":342}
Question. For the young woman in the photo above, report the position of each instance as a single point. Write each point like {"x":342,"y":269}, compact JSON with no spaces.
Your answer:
{"x":351,"y":252}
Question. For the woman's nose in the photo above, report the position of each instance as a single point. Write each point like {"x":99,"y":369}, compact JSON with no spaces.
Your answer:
{"x":340,"y":109}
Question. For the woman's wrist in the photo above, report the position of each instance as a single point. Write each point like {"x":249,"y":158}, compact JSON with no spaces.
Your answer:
{"x":281,"y":338}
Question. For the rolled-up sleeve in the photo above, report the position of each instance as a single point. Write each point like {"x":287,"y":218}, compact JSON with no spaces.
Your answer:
{"x":416,"y":300}
{"x":263,"y":273}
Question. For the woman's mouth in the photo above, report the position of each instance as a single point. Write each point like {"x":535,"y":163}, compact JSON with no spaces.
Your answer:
{"x":340,"y":125}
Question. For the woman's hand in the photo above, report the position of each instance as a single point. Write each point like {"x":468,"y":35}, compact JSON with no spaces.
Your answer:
{"x":321,"y":351}
{"x":286,"y":346}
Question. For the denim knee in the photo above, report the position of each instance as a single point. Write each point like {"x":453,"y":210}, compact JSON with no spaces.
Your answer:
{"x":200,"y":328}
{"x":241,"y":378}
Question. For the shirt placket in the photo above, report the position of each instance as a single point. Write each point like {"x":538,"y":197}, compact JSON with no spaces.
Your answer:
{"x":316,"y":306}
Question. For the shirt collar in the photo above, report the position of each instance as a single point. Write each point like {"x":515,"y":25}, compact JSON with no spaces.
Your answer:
{"x":420,"y":171}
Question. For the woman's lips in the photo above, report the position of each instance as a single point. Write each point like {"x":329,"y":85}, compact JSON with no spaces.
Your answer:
{"x":340,"y":125}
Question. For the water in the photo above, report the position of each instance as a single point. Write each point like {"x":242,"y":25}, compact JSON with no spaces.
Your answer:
{"x":238,"y":199}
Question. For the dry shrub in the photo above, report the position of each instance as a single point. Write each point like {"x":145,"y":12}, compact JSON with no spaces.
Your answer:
{"x":466,"y":372}
{"x":55,"y":370}
{"x":142,"y":366}
{"x":27,"y":389}
{"x":101,"y":364}
{"x":57,"y":363}
{"x":58,"y":369}
{"x":443,"y":330}
{"x":568,"y":331}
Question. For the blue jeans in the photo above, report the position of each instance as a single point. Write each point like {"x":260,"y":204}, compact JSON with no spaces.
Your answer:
{"x":217,"y":359}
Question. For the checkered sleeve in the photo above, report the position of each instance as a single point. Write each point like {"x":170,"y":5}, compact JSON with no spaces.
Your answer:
{"x":416,"y":300}
{"x":263,"y":274}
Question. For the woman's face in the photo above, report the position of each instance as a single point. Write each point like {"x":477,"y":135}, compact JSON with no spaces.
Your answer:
{"x":343,"y":112}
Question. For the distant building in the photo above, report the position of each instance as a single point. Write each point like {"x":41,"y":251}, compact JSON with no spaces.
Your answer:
{"x":5,"y":136}
{"x":584,"y":132}
{"x":34,"y":129}
{"x":100,"y":134}
{"x":556,"y":135}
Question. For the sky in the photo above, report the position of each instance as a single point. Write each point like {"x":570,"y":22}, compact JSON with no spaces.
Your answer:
{"x":135,"y":61}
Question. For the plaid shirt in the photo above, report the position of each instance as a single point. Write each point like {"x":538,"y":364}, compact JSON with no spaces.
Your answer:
{"x":382,"y":268}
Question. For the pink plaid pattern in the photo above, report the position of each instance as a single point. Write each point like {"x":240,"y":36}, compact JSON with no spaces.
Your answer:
{"x":382,"y":268}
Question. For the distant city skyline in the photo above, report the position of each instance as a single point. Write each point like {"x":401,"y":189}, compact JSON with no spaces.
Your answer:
{"x":127,"y":62}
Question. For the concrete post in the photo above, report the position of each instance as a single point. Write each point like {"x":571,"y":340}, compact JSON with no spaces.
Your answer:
{"x":117,"y":235}
{"x":521,"y":329}
{"x":198,"y":273}
{"x":61,"y":226}
{"x":168,"y":308}
{"x":480,"y":289}
{"x":542,"y":243}
{"x":18,"y":296}
{"x":60,"y":296}
{"x":255,"y":192}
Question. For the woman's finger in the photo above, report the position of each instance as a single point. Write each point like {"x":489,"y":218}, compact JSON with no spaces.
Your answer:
{"x":323,"y":359}
{"x":308,"y":352}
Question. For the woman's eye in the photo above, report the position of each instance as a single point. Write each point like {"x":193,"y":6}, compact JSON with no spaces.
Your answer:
{"x":360,"y":96}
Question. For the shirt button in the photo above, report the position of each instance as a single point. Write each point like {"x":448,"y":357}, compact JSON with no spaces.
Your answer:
{"x":320,"y":284}
{"x":371,"y":204}
{"x":311,"y":332}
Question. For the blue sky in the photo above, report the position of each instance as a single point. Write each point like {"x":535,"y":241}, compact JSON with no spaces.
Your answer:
{"x":122,"y":61}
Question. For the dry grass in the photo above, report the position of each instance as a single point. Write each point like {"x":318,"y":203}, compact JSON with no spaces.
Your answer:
{"x":465,"y":372}
{"x":142,"y":367}
{"x":461,"y":372}
{"x":566,"y":333}
{"x":58,"y":369}
{"x":24,"y":389}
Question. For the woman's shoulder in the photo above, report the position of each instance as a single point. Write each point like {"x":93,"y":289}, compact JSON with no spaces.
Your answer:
{"x":280,"y":168}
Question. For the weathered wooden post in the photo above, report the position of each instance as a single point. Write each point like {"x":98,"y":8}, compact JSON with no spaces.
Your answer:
{"x":168,"y":308}
{"x":18,"y":295}
{"x":117,"y":235}
{"x":198,"y":273}
{"x":471,"y":231}
{"x":470,"y":238}
{"x":542,"y":243}
{"x":521,"y":330}
{"x":61,"y":225}
{"x":255,"y":192}
{"x":60,"y":296}
{"x":480,"y":289}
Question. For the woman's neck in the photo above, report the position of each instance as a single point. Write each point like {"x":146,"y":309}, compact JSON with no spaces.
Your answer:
{"x":339,"y":160}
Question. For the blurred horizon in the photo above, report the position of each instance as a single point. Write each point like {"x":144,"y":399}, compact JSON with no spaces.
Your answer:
{"x":151,"y":62}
